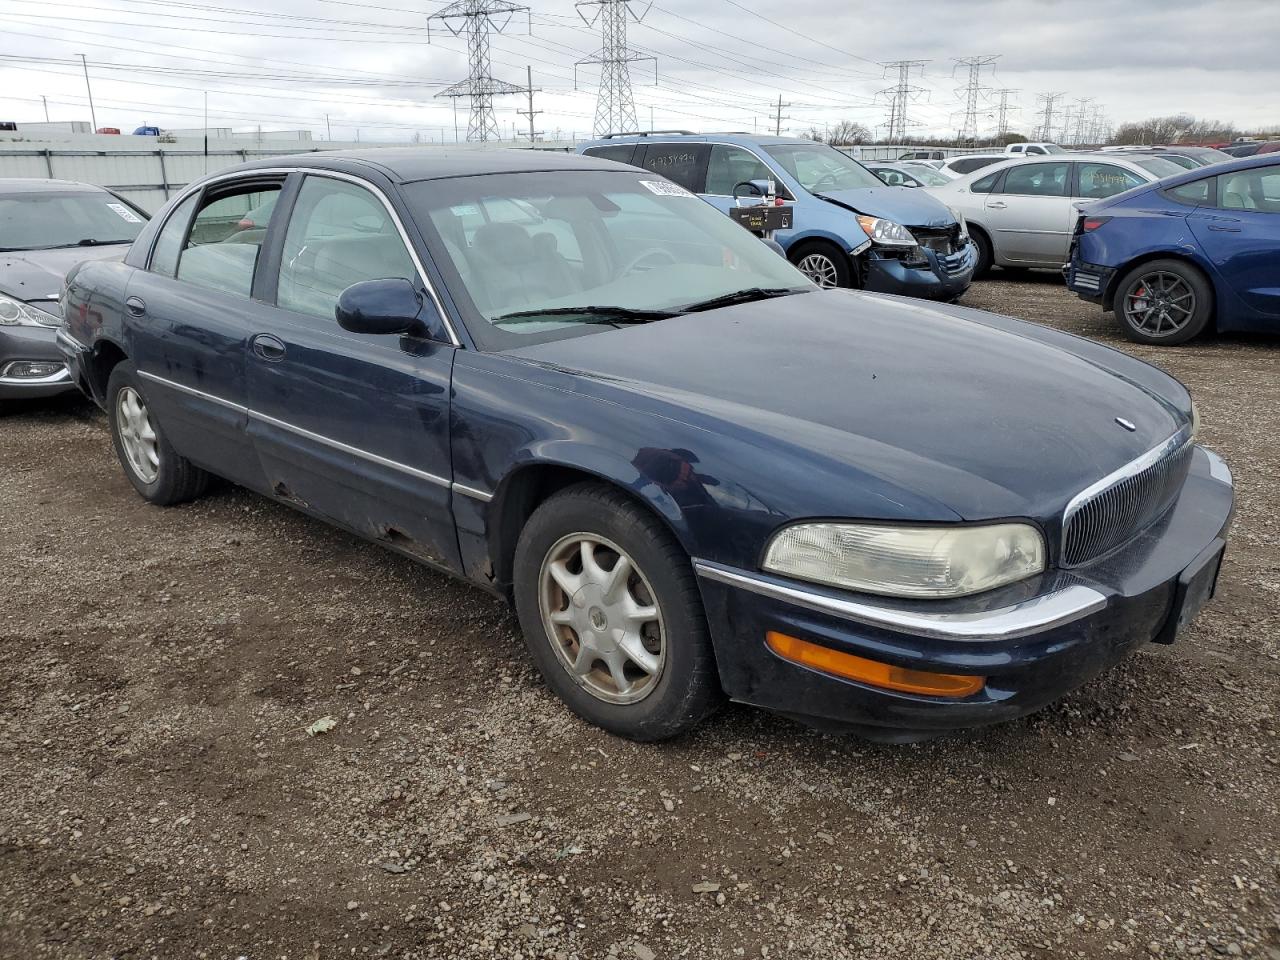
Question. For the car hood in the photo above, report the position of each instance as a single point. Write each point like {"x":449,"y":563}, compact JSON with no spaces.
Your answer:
{"x":909,"y":207}
{"x":37,"y":275}
{"x":982,"y":414}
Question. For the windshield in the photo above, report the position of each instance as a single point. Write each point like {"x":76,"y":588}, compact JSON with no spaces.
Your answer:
{"x":820,"y":168}
{"x":532,"y":257}
{"x":1158,"y":166}
{"x":39,"y":221}
{"x":927,"y":176}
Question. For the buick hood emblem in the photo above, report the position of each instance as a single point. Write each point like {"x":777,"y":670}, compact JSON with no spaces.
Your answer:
{"x":1127,"y":424}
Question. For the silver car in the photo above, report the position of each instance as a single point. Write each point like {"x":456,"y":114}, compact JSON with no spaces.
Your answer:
{"x":1021,"y":212}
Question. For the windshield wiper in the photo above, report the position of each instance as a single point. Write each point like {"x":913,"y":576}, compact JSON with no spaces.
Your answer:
{"x":86,"y":242}
{"x":742,"y":296}
{"x":598,"y":315}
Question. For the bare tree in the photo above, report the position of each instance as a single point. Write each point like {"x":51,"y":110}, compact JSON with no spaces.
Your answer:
{"x":1181,"y":128}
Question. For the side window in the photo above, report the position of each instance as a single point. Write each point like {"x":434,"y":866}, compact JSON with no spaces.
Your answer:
{"x":681,"y":162}
{"x":1016,"y":148}
{"x":1255,"y":189}
{"x":1039,"y":151}
{"x":985,"y":184}
{"x":339,"y":234}
{"x":164,"y":256}
{"x":621,"y":152}
{"x":729,"y":166}
{"x":226,"y":239}
{"x":1037,"y":179}
{"x":970,"y":164}
{"x":1098,"y":180}
{"x":1197,"y":193}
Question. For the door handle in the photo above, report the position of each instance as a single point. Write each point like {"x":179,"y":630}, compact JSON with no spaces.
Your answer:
{"x":997,"y":205}
{"x":268,"y":347}
{"x":1224,"y":229}
{"x":135,"y":306}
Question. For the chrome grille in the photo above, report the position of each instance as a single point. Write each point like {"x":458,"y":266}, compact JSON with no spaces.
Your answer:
{"x":1120,"y":506}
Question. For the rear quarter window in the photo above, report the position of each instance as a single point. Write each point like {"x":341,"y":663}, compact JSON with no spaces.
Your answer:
{"x":682,"y":162}
{"x":620,"y":152}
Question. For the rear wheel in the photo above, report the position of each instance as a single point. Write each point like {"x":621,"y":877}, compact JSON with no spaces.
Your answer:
{"x":823,"y":263}
{"x":611,"y":613}
{"x":1163,"y":302}
{"x":155,"y":469}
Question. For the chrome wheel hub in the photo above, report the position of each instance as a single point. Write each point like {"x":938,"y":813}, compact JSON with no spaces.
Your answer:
{"x":1160,"y":304}
{"x":137,"y":435}
{"x":601,"y":618}
{"x":819,"y":268}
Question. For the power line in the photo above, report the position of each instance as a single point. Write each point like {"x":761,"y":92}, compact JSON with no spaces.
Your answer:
{"x":476,"y":18}
{"x":615,"y":104}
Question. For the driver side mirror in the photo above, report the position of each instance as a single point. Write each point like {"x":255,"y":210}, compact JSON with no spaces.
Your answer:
{"x":381,"y":307}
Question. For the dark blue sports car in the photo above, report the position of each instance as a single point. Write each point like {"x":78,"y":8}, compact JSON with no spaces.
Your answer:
{"x":695,"y":473}
{"x":1193,"y":252}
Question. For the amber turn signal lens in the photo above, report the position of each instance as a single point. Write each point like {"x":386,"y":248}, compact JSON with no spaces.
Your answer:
{"x":872,"y":672}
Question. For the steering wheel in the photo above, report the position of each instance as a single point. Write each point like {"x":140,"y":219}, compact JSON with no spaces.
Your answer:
{"x":652,"y":253}
{"x":825,"y":178}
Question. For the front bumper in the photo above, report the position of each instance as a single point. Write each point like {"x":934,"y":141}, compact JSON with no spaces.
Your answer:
{"x":940,"y":278}
{"x":1033,"y":642}
{"x":19,"y":343}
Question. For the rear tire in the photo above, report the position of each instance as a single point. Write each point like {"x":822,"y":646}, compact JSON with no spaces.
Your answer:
{"x":1163,"y":302}
{"x":823,"y":263}
{"x":158,"y":472}
{"x":630,"y":655}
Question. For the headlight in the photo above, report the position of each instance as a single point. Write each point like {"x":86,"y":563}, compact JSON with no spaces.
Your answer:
{"x":923,"y":562}
{"x":1195,"y":420}
{"x":15,"y":313}
{"x":887,"y":232}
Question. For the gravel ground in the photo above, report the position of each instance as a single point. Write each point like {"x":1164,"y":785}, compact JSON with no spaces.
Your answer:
{"x":161,"y":796}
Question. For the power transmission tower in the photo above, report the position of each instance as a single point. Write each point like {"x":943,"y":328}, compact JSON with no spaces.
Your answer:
{"x":899,"y":96}
{"x":1083,"y":106}
{"x":1002,"y":124}
{"x":1068,"y":118}
{"x":778,"y":117}
{"x":1047,"y":101}
{"x":531,"y":113}
{"x":476,"y":18}
{"x":971,"y":91}
{"x":615,"y":106}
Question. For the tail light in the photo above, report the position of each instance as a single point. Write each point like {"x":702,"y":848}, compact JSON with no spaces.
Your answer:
{"x":1089,"y":224}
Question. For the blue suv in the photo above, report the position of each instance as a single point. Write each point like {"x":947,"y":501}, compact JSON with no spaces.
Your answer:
{"x":1194,"y":251}
{"x":849,"y":228}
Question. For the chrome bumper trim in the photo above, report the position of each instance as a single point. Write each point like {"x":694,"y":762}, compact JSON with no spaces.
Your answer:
{"x":62,"y":376}
{"x":1045,"y":612}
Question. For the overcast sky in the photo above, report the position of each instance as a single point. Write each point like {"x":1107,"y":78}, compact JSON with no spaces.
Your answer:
{"x":721,"y":63}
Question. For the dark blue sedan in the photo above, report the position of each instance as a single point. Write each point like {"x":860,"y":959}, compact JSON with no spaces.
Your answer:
{"x":695,"y":474}
{"x":1190,"y":253}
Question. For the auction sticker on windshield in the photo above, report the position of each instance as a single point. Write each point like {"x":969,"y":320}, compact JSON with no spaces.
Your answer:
{"x":664,"y":188}
{"x":124,"y":213}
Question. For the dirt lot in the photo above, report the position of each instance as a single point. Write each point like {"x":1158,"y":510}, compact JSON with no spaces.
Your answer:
{"x":161,"y":798}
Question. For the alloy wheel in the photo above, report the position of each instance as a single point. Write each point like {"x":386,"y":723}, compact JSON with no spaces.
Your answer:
{"x":137,"y":435}
{"x":819,"y":268}
{"x":602,"y":618}
{"x":1159,"y":304}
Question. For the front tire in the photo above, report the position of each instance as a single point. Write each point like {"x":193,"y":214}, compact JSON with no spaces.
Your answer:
{"x":823,"y":263}
{"x":1163,"y":302}
{"x":611,"y":613}
{"x":983,"y":257}
{"x":158,"y":472}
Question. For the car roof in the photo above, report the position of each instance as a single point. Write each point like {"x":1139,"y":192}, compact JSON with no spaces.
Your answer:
{"x":745,"y":139}
{"x":13,"y":185}
{"x":1223,"y":166}
{"x":409,"y":164}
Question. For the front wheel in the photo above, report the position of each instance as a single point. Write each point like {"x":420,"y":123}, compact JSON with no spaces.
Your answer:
{"x":1163,"y":302}
{"x":823,"y":263}
{"x":610,"y":610}
{"x":157,"y":471}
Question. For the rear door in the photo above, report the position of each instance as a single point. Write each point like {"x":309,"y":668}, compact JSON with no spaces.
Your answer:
{"x":353,"y":427}
{"x":190,"y":313}
{"x":1031,"y":217}
{"x":1241,"y":235}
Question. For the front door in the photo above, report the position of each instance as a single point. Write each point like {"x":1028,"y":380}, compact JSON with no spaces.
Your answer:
{"x":349,"y":426}
{"x":1031,"y":218}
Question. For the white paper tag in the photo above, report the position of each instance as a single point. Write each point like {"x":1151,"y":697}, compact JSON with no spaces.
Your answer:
{"x":124,"y":213}
{"x":664,"y":188}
